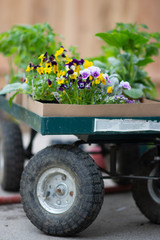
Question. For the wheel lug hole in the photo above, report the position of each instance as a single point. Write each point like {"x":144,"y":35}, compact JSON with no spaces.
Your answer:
{"x":61,"y":190}
{"x":71,"y":193}
{"x":64,"y":177}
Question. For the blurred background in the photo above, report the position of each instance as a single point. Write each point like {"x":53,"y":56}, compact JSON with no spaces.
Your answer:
{"x":79,"y":20}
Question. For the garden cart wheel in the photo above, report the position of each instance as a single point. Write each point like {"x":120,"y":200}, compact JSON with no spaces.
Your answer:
{"x":62,"y":190}
{"x":11,"y":156}
{"x":147,"y":192}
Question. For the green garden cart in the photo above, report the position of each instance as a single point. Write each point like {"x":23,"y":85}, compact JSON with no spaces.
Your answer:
{"x":62,"y":188}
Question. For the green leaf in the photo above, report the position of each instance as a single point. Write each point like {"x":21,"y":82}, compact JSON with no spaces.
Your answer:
{"x":144,"y":26}
{"x":11,"y":99}
{"x":14,"y":87}
{"x":10,"y":88}
{"x":138,"y":39}
{"x":99,"y":64}
{"x":144,"y":61}
{"x":113,"y":61}
{"x":114,"y":39}
{"x":133,"y":93}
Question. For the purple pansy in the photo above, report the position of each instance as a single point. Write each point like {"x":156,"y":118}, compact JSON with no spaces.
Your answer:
{"x":51,"y":58}
{"x":70,"y":64}
{"x":125,"y":84}
{"x":94,"y":71}
{"x":85,"y":73}
{"x":31,"y":65}
{"x":49,"y":82}
{"x":70,"y":72}
{"x":105,"y":75}
{"x":54,"y":63}
{"x":81,"y":84}
{"x":62,"y":87}
{"x":45,"y":57}
{"x":81,"y":61}
{"x":75,"y":61}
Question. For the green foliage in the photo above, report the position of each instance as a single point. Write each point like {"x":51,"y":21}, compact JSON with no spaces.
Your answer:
{"x":133,"y":93}
{"x":22,"y":43}
{"x":129,"y":49}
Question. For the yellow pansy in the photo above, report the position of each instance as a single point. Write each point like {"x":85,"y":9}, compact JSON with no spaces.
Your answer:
{"x":48,"y":64}
{"x":74,"y":76}
{"x":55,"y":68}
{"x":110,"y":90}
{"x":61,"y":73}
{"x":59,"y":52}
{"x":77,"y":68}
{"x":26,"y":80}
{"x":68,"y":59}
{"x":97,"y":81}
{"x":40,"y":70}
{"x":60,"y":81}
{"x":87,"y":64}
{"x":41,"y":57}
{"x":90,"y":78}
{"x":48,"y":70}
{"x":28,"y":69}
{"x":104,"y":81}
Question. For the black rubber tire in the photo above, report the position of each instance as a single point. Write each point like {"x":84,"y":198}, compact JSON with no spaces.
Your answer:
{"x":89,"y":190}
{"x":145,"y":194}
{"x":13,"y":156}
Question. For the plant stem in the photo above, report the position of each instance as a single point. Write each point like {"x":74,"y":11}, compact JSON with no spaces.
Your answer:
{"x":121,"y":61}
{"x":131,"y":68}
{"x":68,"y":97}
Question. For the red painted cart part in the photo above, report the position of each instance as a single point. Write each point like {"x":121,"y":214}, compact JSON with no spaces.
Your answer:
{"x":98,"y":157}
{"x":10,"y":199}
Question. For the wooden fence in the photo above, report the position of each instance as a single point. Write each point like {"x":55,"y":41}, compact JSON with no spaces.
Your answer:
{"x":79,"y":20}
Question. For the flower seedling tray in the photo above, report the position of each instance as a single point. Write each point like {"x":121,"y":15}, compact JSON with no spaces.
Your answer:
{"x":147,"y":109}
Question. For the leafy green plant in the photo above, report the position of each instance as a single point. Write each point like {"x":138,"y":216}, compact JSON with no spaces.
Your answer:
{"x":22,"y":43}
{"x":129,"y":49}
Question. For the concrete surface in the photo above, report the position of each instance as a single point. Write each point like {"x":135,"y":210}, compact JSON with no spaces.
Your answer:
{"x":119,"y":218}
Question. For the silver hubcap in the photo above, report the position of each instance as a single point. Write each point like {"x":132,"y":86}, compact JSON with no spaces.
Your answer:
{"x":1,"y":163}
{"x":151,"y":188}
{"x":56,"y":190}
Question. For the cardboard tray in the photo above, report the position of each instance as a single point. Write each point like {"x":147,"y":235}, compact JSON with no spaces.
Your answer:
{"x":147,"y":109}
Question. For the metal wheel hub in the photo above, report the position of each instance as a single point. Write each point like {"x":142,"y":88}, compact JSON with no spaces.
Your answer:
{"x":56,"y":190}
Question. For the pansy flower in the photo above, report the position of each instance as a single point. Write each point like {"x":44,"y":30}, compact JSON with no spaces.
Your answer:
{"x":81,"y":62}
{"x":81,"y":84}
{"x":85,"y":73}
{"x":51,"y":58}
{"x":26,"y":80}
{"x":62,"y":87}
{"x":75,"y":61}
{"x":87,"y":64}
{"x":41,"y":57}
{"x":49,"y":82}
{"x":110,"y":89}
{"x":29,"y":67}
{"x":125,"y":84}
{"x":40,"y":70}
{"x":94,"y":71}
{"x":106,"y":77}
{"x":58,"y":53}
